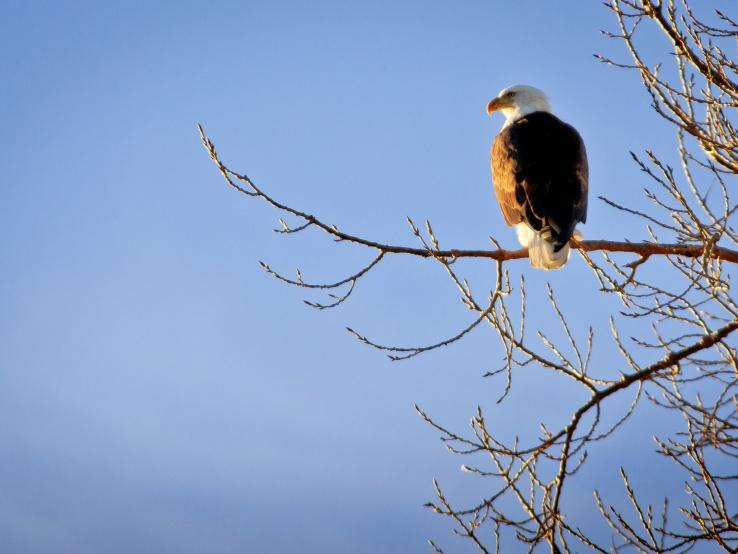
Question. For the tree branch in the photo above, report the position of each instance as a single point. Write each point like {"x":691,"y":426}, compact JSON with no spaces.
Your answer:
{"x":643,"y":249}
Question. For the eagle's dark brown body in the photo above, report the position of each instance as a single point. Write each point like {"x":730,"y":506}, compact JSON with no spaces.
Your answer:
{"x":540,"y":173}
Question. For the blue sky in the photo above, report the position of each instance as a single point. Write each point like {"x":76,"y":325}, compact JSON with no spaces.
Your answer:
{"x":159,"y":392}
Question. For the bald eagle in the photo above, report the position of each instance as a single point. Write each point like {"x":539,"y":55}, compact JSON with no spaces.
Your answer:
{"x":540,"y":174}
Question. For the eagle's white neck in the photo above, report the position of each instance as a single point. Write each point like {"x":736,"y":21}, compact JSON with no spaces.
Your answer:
{"x":523,"y":108}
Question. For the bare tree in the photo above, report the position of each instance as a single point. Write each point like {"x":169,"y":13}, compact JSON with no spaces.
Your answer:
{"x":678,"y":286}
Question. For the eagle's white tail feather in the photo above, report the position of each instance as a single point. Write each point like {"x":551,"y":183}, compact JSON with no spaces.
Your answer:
{"x":540,"y":251}
{"x":542,"y":256}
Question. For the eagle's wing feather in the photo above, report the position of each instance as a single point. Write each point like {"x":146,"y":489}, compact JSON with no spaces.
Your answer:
{"x":502,"y":160}
{"x":583,"y":175}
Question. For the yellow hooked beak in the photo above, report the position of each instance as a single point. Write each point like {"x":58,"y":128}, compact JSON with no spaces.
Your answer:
{"x":497,"y":104}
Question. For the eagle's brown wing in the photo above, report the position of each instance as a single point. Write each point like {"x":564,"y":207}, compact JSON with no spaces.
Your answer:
{"x":503,"y":163}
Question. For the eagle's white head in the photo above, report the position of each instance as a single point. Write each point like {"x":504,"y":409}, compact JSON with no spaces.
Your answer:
{"x":518,"y":101}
